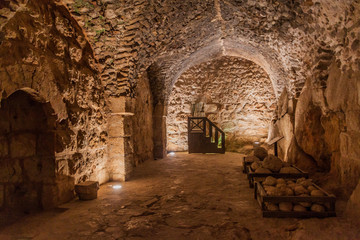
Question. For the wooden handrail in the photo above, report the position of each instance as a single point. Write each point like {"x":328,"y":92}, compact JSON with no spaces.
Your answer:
{"x":210,"y":122}
{"x":200,"y":127}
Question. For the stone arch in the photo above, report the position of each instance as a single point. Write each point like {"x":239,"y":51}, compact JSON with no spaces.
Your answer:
{"x":168,"y":72}
{"x":236,"y":48}
{"x":238,"y":98}
{"x":27,"y":153}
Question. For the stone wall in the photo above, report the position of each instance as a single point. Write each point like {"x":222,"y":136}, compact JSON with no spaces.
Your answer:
{"x":312,"y":41}
{"x":27,"y":154}
{"x":322,"y":132}
{"x":47,"y":52}
{"x":294,"y":41}
{"x":239,"y":99}
{"x":129,"y":37}
{"x":325,"y":121}
{"x":290,"y":40}
{"x":142,"y":135}
{"x":282,"y":37}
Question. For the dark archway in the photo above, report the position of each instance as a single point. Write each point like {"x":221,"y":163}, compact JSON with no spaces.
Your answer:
{"x":27,"y":154}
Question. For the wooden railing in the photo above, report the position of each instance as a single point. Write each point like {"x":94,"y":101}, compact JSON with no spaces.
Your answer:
{"x":204,"y":136}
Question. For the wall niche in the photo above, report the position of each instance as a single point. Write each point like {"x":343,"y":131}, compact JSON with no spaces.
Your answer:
{"x":27,"y":155}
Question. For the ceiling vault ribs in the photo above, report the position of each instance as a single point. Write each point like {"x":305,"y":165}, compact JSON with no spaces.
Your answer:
{"x":222,"y":26}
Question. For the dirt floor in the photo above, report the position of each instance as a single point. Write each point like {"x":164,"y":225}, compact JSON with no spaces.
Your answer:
{"x":196,"y":196}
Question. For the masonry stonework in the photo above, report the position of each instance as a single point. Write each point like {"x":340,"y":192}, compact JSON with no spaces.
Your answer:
{"x":87,"y":59}
{"x":238,"y":97}
{"x":47,"y":54}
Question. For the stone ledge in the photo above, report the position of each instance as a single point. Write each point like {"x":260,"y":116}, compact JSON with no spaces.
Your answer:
{"x":122,"y":114}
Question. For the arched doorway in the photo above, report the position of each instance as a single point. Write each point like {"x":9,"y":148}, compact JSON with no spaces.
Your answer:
{"x":27,"y":155}
{"x":238,"y":97}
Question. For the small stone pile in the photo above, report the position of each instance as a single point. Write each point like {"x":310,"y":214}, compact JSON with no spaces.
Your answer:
{"x":262,"y":162}
{"x":260,"y":153}
{"x":301,"y":187}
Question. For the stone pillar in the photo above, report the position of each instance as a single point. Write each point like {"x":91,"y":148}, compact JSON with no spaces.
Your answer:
{"x":120,"y":143}
{"x":159,"y":123}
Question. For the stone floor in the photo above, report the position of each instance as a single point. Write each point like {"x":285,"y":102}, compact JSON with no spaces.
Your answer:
{"x":197,"y":196}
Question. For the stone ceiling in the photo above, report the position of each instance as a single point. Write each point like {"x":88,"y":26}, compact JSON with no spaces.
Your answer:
{"x":286,"y":38}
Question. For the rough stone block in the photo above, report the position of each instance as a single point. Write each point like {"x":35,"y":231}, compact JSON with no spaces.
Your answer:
{"x":121,"y":177}
{"x":116,"y":167}
{"x":116,"y":126}
{"x":4,"y":147}
{"x":46,"y":144}
{"x":117,"y":104}
{"x":283,"y":103}
{"x":87,"y":190}
{"x":49,"y":196}
{"x":62,"y":167}
{"x":353,"y":206}
{"x":120,"y":104}
{"x":210,"y":108}
{"x":29,"y":119}
{"x":101,"y":176}
{"x":297,"y":157}
{"x":353,"y":120}
{"x":48,"y":167}
{"x":23,"y":145}
{"x":32,"y":168}
{"x":285,"y":128}
{"x":349,"y":144}
{"x":4,"y":122}
{"x":64,"y":188}
{"x":116,"y":163}
{"x":10,"y":170}
{"x":116,"y":146}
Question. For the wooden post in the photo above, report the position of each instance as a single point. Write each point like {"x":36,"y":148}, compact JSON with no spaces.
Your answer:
{"x":204,"y":128}
{"x":189,"y":139}
{"x":275,"y":142}
{"x":223,"y":142}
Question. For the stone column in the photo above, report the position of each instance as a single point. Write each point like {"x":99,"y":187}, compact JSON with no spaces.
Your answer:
{"x":159,"y":123}
{"x":120,"y":143}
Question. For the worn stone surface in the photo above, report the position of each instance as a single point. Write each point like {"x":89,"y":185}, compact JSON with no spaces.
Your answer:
{"x":251,"y":159}
{"x":310,"y":134}
{"x":353,"y":207}
{"x":143,"y":123}
{"x":288,"y":170}
{"x":29,"y":164}
{"x":47,"y":51}
{"x":272,"y":163}
{"x":312,"y":41}
{"x":238,"y":98}
{"x":285,"y":128}
{"x":283,"y":123}
{"x":285,"y":38}
{"x":326,"y":126}
{"x":180,"y":197}
{"x":48,"y":150}
{"x":333,"y":91}
{"x":260,"y":152}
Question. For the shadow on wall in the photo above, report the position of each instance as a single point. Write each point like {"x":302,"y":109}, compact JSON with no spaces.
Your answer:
{"x":27,"y":156}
